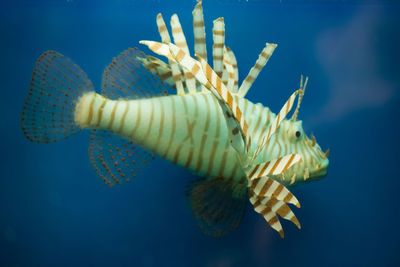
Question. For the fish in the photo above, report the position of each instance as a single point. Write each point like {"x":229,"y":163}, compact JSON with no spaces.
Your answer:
{"x":185,"y":112}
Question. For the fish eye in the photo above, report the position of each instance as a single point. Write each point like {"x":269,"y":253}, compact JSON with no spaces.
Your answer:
{"x":298,"y":134}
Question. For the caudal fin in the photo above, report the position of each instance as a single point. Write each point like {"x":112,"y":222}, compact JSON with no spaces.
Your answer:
{"x":56,"y":85}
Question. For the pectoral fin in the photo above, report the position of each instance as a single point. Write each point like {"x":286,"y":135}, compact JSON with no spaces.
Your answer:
{"x":217,"y":204}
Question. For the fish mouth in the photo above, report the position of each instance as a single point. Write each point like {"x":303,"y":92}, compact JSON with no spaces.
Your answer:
{"x":320,"y":172}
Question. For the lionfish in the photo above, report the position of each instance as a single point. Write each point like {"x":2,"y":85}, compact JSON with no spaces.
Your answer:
{"x":238,"y":149}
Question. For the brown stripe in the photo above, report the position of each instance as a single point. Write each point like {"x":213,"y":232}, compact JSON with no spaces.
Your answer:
{"x":162,"y":28}
{"x":112,"y":115}
{"x":218,"y":45}
{"x":258,"y":115}
{"x":155,"y":46}
{"x":198,"y":23}
{"x":146,"y":135}
{"x":275,"y":165}
{"x":180,"y":55}
{"x":287,"y":106}
{"x":265,"y":211}
{"x":165,"y":76}
{"x":265,"y":55}
{"x":249,"y":79}
{"x":220,"y":33}
{"x":123,"y":117}
{"x":254,"y":183}
{"x":266,"y":186}
{"x":283,"y":210}
{"x":273,"y":220}
{"x":229,"y":99}
{"x":189,"y":159}
{"x":200,"y":155}
{"x":208,"y":73}
{"x":266,"y":164}
{"x":189,"y":76}
{"x":258,"y":66}
{"x":288,"y":163}
{"x":176,"y":156}
{"x":200,"y":40}
{"x":160,"y":130}
{"x":138,"y":118}
{"x":195,"y":69}
{"x":254,"y":171}
{"x":90,"y":111}
{"x":177,"y":77}
{"x":218,"y":57}
{"x":257,"y":203}
{"x":100,"y":112}
{"x":238,"y":114}
{"x":211,"y":160}
{"x":181,"y":45}
{"x":271,"y":203}
{"x":177,"y":30}
{"x":288,"y":198}
{"x":171,"y":138}
{"x":278,"y":190}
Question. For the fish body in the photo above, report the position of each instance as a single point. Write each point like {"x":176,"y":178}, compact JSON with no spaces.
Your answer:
{"x":189,"y":130}
{"x":240,"y":150}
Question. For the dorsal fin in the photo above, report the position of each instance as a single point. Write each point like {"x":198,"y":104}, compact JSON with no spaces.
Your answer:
{"x":176,"y":72}
{"x":274,"y":125}
{"x":217,"y":204}
{"x":180,"y":41}
{"x":233,"y":61}
{"x":125,"y":77}
{"x":260,"y":63}
{"x":218,"y":47}
{"x":229,"y":72}
{"x":199,"y":31}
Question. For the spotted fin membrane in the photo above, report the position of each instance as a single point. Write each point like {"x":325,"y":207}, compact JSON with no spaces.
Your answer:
{"x":114,"y":158}
{"x":48,"y":111}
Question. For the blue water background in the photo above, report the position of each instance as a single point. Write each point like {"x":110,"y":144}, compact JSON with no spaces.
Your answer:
{"x":55,"y":211}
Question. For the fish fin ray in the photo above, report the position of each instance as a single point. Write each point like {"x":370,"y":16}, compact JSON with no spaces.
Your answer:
{"x":268,"y":187}
{"x":276,"y":122}
{"x":254,"y":71}
{"x":218,"y":47}
{"x":199,"y":31}
{"x":233,"y":62}
{"x":175,"y":69}
{"x":126,"y":77}
{"x":56,"y":85}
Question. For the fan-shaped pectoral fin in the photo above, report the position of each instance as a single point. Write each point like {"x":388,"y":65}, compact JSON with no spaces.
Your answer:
{"x":268,"y":196}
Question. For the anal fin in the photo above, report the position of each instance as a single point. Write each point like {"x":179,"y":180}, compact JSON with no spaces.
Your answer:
{"x":115,"y":159}
{"x":218,"y":204}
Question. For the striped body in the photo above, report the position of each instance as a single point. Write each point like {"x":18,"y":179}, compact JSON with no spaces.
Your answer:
{"x":188,"y":130}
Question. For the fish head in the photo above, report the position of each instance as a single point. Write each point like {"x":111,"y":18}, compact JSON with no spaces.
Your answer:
{"x":314,"y":163}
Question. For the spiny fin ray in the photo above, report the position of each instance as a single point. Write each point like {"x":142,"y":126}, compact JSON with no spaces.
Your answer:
{"x":260,"y":63}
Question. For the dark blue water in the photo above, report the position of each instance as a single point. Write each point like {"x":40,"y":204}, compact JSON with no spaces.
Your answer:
{"x":55,"y":211}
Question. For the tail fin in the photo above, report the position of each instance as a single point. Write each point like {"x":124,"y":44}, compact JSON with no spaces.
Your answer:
{"x":56,"y":85}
